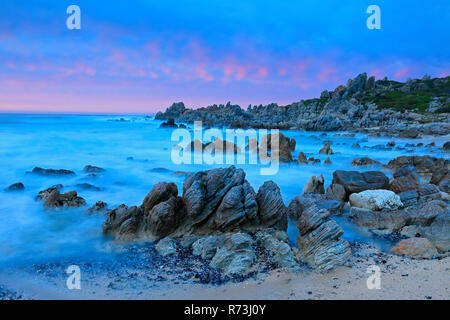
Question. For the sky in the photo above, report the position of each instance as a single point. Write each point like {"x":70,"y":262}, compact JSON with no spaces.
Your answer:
{"x":140,"y":56}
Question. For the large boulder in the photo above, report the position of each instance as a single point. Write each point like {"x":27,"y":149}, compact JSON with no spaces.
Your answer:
{"x":337,"y":192}
{"x":390,"y":220}
{"x":322,"y":247}
{"x":314,"y":185}
{"x":375,"y":200}
{"x":420,"y":248}
{"x":272,"y":210}
{"x":123,"y":222}
{"x":405,"y":179}
{"x":15,"y":187}
{"x":354,"y":181}
{"x":441,"y":178}
{"x":166,"y":246}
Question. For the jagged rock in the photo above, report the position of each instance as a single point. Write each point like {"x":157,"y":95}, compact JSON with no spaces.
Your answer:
{"x":428,"y":192}
{"x":409,"y":198}
{"x":123,"y":222}
{"x":301,"y":159}
{"x":52,"y":172}
{"x":405,"y":179}
{"x":390,"y":220}
{"x":354,"y":181}
{"x":97,"y":207}
{"x":43,"y":194}
{"x":423,"y":164}
{"x":420,"y":248}
{"x":326,"y":149}
{"x":314,"y":185}
{"x":272,"y":210}
{"x":427,"y":212}
{"x":364,"y":161}
{"x":15,"y":187}
{"x":166,"y":246}
{"x":170,"y":123}
{"x":164,"y":217}
{"x":66,"y":200}
{"x":301,"y":203}
{"x":337,"y":192}
{"x":90,"y":169}
{"x":281,"y":252}
{"x":283,"y":142}
{"x":322,"y":249}
{"x":311,"y":218}
{"x":375,"y":200}
{"x":327,"y":161}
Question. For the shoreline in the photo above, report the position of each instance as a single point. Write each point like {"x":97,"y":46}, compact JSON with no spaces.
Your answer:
{"x":401,"y":278}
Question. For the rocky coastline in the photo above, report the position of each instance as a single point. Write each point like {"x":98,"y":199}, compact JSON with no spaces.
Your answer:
{"x":383,"y":107}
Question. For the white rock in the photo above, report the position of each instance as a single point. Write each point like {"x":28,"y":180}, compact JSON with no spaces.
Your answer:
{"x":375,"y":200}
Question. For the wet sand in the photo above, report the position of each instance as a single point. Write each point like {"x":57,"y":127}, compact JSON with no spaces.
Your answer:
{"x":401,"y":278}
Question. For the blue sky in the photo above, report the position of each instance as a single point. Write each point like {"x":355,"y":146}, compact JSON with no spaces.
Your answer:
{"x":140,"y":56}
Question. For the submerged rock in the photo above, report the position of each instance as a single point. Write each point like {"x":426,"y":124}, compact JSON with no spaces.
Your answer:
{"x":423,"y":164}
{"x":326,"y":149}
{"x":52,"y":172}
{"x":364,"y":161}
{"x":99,"y":206}
{"x":15,"y":187}
{"x":93,"y":169}
{"x":70,"y":199}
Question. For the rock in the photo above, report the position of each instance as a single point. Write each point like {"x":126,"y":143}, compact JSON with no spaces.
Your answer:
{"x":43,"y":194}
{"x":420,"y":248}
{"x":423,"y":164}
{"x":441,"y":178}
{"x":405,"y":179}
{"x":170,"y":123}
{"x":446,"y":147}
{"x":409,"y":198}
{"x":66,"y":200}
{"x":390,"y":220}
{"x":160,"y":192}
{"x":302,"y":158}
{"x":163,"y":218}
{"x":410,"y":133}
{"x":97,"y":207}
{"x":52,"y":172}
{"x":206,"y":247}
{"x":90,"y":169}
{"x":337,"y":192}
{"x":311,"y":218}
{"x":166,"y":246}
{"x":88,"y":186}
{"x":188,"y":240}
{"x":283,"y":141}
{"x":375,"y":200}
{"x":272,"y":210}
{"x":327,"y":161}
{"x":326,"y":149}
{"x":15,"y":187}
{"x":314,"y":185}
{"x":354,"y":181}
{"x":426,"y":213}
{"x":123,"y":222}
{"x":439,"y":232}
{"x":322,"y":249}
{"x":428,"y":192}
{"x":364,"y":161}
{"x":232,"y":262}
{"x":356,"y":145}
{"x":280,"y":252}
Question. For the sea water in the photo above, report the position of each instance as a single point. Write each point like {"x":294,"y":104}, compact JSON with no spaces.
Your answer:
{"x":136,"y":154}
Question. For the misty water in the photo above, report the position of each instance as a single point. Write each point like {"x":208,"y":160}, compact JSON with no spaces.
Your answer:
{"x":31,"y":234}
